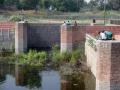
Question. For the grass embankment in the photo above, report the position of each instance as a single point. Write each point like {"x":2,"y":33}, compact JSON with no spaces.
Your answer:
{"x":83,"y":17}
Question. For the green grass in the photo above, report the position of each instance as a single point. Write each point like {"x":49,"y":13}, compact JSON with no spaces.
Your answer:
{"x":45,"y":17}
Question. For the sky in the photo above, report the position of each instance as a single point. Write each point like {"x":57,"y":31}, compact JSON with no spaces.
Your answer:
{"x":87,"y":0}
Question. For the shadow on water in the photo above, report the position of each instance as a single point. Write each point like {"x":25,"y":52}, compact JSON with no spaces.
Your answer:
{"x":14,"y":77}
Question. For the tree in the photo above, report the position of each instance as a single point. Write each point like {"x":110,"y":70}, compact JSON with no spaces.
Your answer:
{"x":109,"y":4}
{"x":1,"y":2}
{"x":27,"y":4}
{"x":93,"y":4}
{"x":115,"y":4}
{"x":68,"y":5}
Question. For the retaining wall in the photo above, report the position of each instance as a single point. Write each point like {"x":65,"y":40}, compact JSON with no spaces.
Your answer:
{"x":75,"y":35}
{"x":103,"y":59}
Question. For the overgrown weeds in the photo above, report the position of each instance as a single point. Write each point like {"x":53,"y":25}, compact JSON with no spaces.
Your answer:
{"x":32,"y":58}
{"x":73,"y":57}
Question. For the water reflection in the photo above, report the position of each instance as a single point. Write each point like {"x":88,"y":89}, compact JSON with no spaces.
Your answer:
{"x":27,"y":76}
{"x":14,"y":77}
{"x":73,"y":82}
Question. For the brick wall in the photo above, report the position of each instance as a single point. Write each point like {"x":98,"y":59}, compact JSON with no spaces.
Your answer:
{"x":78,"y":32}
{"x":104,"y":63}
{"x":7,"y":25}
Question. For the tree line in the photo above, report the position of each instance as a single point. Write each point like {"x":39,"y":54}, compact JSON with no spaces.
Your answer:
{"x":61,"y":5}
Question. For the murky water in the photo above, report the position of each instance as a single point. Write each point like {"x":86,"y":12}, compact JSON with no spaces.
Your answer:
{"x":14,"y":77}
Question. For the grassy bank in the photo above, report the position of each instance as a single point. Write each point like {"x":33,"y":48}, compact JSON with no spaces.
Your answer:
{"x":83,"y":17}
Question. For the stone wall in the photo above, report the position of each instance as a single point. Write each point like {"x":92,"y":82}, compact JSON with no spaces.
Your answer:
{"x":43,"y":35}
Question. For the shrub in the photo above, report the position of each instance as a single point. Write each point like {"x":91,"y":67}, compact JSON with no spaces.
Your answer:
{"x":56,"y":57}
{"x":15,"y":18}
{"x":75,"y":56}
{"x":66,"y":56}
{"x":55,"y":54}
{"x":32,"y":57}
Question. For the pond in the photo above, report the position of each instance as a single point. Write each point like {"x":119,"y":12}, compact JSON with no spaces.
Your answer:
{"x":15,"y":77}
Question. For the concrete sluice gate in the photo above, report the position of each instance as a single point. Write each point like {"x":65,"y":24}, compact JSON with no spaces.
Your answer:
{"x":103,"y":57}
{"x":36,"y":36}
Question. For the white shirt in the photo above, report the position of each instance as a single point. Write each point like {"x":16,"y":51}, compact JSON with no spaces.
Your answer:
{"x":103,"y":36}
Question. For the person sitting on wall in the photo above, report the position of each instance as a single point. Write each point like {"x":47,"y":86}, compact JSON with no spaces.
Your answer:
{"x":68,"y":23}
{"x":109,"y":35}
{"x":64,"y":23}
{"x":102,"y":35}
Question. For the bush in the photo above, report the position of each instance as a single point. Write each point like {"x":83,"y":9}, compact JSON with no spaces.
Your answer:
{"x":66,"y":56}
{"x":15,"y":18}
{"x":69,"y":57}
{"x":32,"y":57}
{"x":75,"y":56}
{"x":55,"y":54}
{"x":56,"y":57}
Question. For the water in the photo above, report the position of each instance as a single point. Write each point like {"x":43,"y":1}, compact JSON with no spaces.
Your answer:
{"x":14,"y":77}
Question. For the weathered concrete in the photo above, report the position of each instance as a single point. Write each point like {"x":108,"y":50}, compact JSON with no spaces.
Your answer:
{"x":20,"y":37}
{"x":43,"y":35}
{"x":36,"y":36}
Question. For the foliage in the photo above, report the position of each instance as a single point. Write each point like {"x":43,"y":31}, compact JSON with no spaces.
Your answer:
{"x":107,"y":4}
{"x":61,"y":5}
{"x":1,"y":2}
{"x":55,"y":54}
{"x":32,"y":57}
{"x":27,"y":4}
{"x":15,"y":18}
{"x":68,"y":57}
{"x":68,"y":5}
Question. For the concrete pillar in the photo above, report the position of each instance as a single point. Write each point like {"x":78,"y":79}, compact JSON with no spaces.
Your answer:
{"x":66,"y":38}
{"x":20,"y":37}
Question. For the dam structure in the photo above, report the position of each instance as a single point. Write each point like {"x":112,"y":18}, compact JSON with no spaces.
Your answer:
{"x":103,"y":57}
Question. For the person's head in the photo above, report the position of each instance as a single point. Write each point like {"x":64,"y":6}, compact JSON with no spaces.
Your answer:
{"x":99,"y":32}
{"x":102,"y":31}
